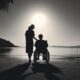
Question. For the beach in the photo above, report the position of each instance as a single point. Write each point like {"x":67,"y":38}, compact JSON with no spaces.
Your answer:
{"x":16,"y":67}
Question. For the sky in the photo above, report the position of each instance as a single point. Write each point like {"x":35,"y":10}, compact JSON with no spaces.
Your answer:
{"x":57,"y":20}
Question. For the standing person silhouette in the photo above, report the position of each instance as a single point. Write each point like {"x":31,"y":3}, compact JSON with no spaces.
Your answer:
{"x":29,"y":40}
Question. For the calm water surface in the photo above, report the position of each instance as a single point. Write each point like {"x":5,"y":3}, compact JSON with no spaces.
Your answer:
{"x":54,"y":52}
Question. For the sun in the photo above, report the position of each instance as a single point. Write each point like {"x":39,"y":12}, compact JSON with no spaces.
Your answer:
{"x":39,"y":19}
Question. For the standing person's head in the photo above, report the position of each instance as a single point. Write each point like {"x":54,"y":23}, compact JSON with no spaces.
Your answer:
{"x":40,"y":36}
{"x":32,"y":26}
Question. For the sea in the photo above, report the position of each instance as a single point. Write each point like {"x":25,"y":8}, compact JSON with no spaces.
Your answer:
{"x":56,"y":53}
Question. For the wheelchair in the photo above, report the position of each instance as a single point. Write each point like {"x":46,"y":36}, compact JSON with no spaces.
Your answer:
{"x":45,"y":54}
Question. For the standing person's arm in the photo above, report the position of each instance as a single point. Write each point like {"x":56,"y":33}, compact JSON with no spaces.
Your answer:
{"x":35,"y":38}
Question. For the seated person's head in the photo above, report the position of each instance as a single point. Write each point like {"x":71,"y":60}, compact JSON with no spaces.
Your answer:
{"x":40,"y":36}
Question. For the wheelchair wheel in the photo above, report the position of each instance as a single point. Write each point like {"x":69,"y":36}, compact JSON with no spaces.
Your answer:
{"x":47,"y":57}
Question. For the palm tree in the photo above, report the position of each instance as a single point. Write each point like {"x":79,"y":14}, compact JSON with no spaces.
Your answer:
{"x":4,"y":4}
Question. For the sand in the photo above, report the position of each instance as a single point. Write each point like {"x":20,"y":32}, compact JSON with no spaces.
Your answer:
{"x":58,"y":69}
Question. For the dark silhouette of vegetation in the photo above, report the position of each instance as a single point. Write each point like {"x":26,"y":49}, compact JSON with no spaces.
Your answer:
{"x":4,"y":4}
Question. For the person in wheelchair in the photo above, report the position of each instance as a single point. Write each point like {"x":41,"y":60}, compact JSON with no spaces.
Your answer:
{"x":41,"y":47}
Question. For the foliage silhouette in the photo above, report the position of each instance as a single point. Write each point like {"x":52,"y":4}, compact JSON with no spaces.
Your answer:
{"x":4,"y":4}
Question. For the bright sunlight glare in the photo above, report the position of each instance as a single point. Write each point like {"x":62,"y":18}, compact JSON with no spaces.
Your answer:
{"x":39,"y":19}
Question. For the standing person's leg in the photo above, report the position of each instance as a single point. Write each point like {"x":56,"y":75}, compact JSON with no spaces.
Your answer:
{"x":30,"y":53}
{"x":29,"y":49}
{"x":29,"y":56}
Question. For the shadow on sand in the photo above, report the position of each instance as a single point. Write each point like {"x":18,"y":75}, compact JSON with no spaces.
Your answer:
{"x":17,"y":73}
{"x":14,"y":73}
{"x":48,"y":69}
